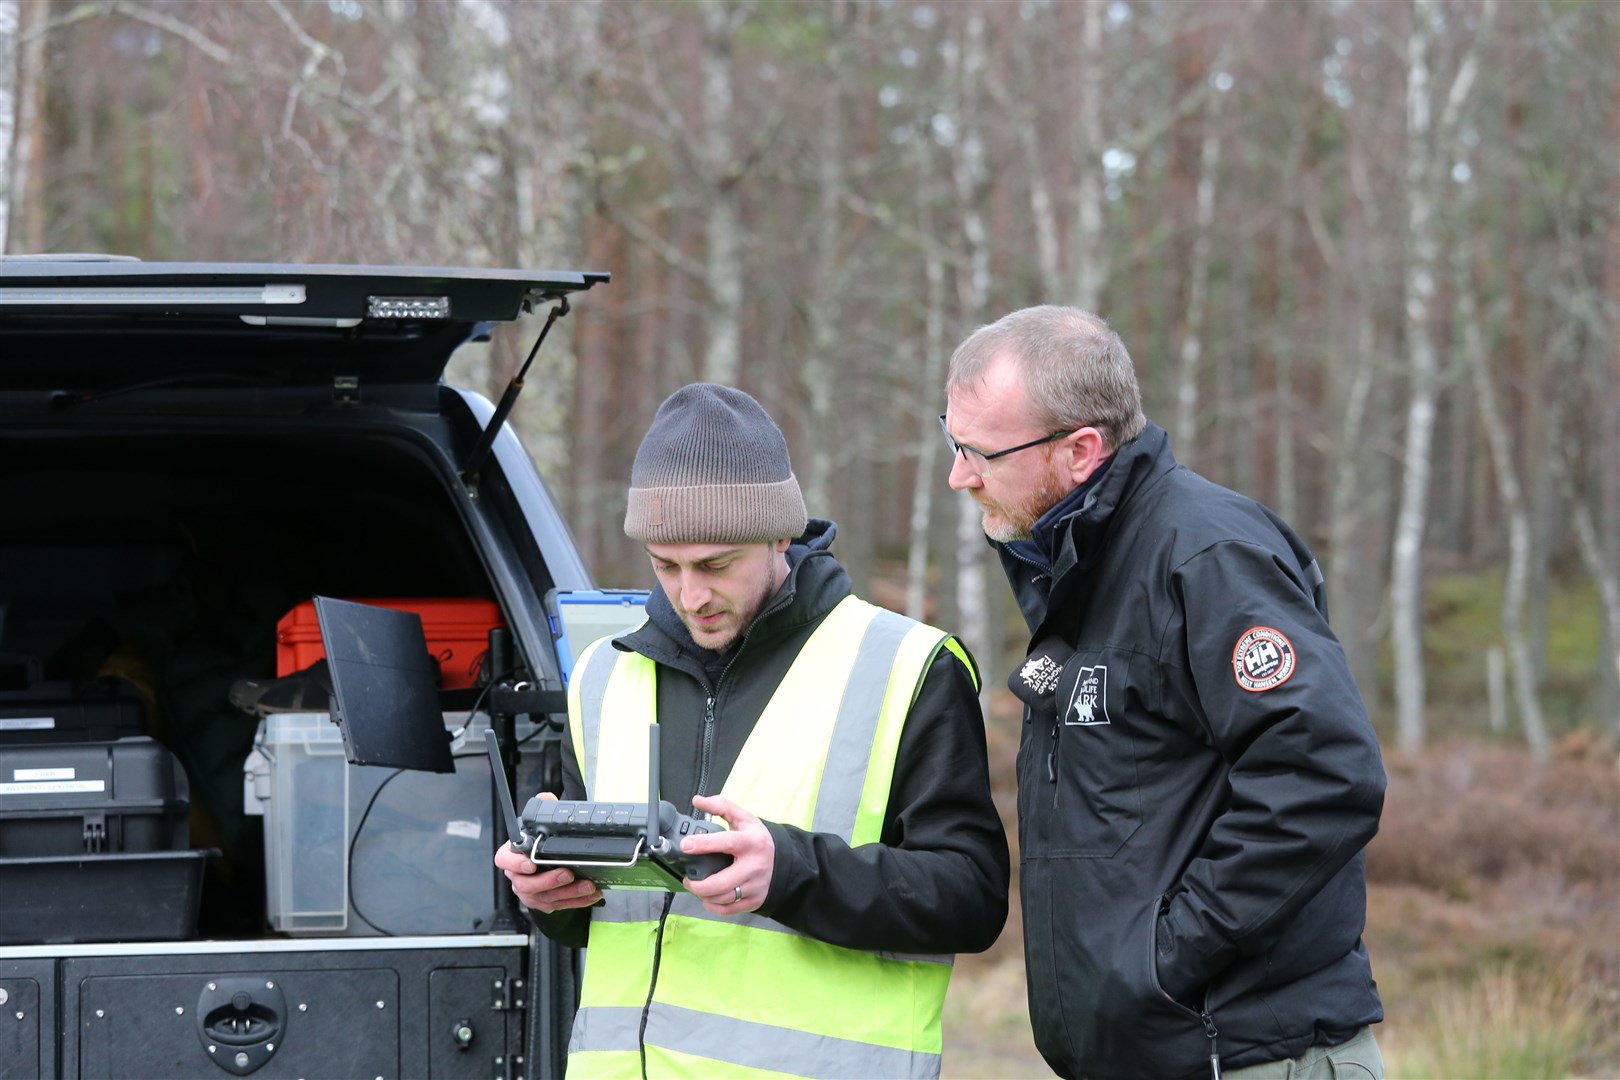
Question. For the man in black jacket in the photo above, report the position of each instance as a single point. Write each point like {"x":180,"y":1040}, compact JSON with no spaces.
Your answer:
{"x":1197,"y":774}
{"x":746,"y":582}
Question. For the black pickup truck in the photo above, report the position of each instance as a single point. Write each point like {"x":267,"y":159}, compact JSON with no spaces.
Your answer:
{"x":197,"y":878}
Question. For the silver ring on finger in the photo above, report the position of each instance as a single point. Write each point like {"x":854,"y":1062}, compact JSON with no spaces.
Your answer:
{"x":737,"y":895}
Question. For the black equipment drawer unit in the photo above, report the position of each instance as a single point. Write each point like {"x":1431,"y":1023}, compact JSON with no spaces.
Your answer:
{"x":404,"y":1007}
{"x":27,"y":1018}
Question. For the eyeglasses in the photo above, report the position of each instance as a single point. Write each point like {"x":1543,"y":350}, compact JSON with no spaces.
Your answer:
{"x":965,"y":450}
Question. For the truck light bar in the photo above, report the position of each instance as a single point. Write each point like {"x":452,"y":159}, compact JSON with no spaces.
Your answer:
{"x":408,"y":307}
{"x":154,"y":295}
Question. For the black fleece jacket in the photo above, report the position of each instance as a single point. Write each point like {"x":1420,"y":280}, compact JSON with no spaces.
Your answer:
{"x":1193,"y":811}
{"x":936,"y":883}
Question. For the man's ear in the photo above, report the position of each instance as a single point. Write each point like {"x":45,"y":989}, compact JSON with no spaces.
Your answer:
{"x":782,"y":544}
{"x":1085,"y":451}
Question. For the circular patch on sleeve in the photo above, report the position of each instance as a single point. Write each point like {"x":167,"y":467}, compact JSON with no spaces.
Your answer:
{"x":1264,"y":659}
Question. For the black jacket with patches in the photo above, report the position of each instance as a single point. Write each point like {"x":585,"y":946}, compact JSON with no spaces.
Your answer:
{"x":936,"y":883}
{"x":1192,"y":823}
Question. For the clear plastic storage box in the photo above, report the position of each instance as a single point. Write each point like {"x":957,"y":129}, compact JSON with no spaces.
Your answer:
{"x":363,"y":850}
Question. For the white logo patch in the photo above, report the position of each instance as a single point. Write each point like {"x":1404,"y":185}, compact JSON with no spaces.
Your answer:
{"x":1089,"y":704}
{"x":1040,"y":674}
{"x":1264,"y":658}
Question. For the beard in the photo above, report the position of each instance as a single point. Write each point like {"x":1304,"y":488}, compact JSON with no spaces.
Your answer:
{"x":720,"y":625}
{"x":1005,"y":522}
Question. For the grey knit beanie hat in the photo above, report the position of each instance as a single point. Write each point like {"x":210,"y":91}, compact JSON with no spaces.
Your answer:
{"x":713,"y":469}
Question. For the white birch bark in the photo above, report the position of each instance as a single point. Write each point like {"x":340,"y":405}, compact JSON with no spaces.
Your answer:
{"x":1601,"y":569}
{"x":1090,"y":254}
{"x":971,"y":175}
{"x":1423,"y":181}
{"x":1353,"y":383}
{"x":10,"y":23}
{"x":26,"y":203}
{"x":402,"y":198}
{"x":1497,"y":438}
{"x":818,"y":373}
{"x":724,"y":274}
{"x":1284,"y":344}
{"x":929,"y":442}
{"x":1021,"y":115}
{"x":1406,"y":576}
{"x":1192,"y":345}
{"x":1348,"y":496}
{"x":551,"y":201}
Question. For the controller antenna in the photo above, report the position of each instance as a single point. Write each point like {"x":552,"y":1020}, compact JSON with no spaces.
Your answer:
{"x":655,"y":827}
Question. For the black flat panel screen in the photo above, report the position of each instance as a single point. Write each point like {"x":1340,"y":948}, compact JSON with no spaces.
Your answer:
{"x":385,"y":686}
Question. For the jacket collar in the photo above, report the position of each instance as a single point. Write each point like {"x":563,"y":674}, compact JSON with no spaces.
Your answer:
{"x":1131,"y":466}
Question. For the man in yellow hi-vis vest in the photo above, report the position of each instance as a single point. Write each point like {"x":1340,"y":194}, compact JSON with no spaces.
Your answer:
{"x":841,"y":744}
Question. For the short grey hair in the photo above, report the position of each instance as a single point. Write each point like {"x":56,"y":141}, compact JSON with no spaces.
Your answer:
{"x":1076,"y":370}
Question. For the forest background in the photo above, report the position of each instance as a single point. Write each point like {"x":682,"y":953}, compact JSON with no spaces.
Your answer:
{"x":1366,"y":254}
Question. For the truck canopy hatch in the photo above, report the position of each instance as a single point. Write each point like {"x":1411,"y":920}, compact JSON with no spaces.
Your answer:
{"x":82,"y":325}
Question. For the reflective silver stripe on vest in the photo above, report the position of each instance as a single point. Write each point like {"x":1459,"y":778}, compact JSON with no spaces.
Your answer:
{"x":840,"y":795}
{"x":605,"y":1027}
{"x":593,"y":683}
{"x":625,"y":906}
{"x":633,"y":905}
{"x":762,"y":1046}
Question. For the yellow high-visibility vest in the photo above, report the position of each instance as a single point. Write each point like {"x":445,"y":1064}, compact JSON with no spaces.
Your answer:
{"x":705,"y":995}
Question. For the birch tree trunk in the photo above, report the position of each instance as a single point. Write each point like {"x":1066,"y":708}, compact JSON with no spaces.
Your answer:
{"x":1284,"y":344}
{"x":1025,"y":121}
{"x":1425,"y":151}
{"x":971,"y":176}
{"x":550,"y":197}
{"x":824,"y":305}
{"x":1497,"y":440}
{"x":1090,"y":252}
{"x":1354,"y":370}
{"x":27,"y":231}
{"x":1406,"y":570}
{"x":10,"y":23}
{"x":928,"y":440}
{"x":1590,"y":544}
{"x":402,"y":199}
{"x":722,"y":355}
{"x":1192,"y":342}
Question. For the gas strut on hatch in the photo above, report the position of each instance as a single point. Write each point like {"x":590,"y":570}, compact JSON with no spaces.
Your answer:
{"x":475,"y":460}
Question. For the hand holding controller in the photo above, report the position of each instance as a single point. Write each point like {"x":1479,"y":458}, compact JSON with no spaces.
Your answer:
{"x":614,"y":845}
{"x":672,"y":828}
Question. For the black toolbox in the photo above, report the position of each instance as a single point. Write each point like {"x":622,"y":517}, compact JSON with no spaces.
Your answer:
{"x":33,"y":710}
{"x":93,"y":844}
{"x":86,"y":798}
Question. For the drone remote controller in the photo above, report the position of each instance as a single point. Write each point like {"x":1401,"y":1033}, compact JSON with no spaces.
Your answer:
{"x":616,"y":845}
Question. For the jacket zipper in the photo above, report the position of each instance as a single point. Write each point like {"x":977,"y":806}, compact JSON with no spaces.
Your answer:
{"x":710,"y":692}
{"x":1052,"y":753}
{"x":1214,"y":1050}
{"x":708,"y":742}
{"x":1052,"y":762}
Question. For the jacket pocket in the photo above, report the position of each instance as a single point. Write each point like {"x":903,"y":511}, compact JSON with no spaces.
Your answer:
{"x":1094,"y":784}
{"x":1146,"y":1033}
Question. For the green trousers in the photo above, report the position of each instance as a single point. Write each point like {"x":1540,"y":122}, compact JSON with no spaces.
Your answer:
{"x":1357,"y":1058}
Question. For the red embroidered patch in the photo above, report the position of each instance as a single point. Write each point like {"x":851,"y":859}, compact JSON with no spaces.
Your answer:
{"x":1264,"y":659}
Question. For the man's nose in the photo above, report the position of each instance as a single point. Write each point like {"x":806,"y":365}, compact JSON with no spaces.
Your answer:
{"x":694,"y":591}
{"x":963,"y":475}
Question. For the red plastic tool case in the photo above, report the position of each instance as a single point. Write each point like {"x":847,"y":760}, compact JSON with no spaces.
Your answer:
{"x":457,"y":630}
